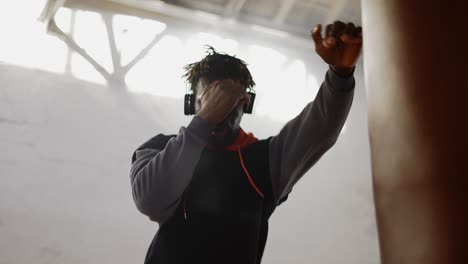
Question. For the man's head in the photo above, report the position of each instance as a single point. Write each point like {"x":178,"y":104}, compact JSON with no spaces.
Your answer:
{"x":227,"y":71}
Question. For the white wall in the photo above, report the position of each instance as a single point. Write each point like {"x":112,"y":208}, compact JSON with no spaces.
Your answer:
{"x":65,"y":195}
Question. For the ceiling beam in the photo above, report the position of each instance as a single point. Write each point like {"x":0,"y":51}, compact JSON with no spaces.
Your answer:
{"x":50,"y":9}
{"x":167,"y":13}
{"x":283,"y":11}
{"x":234,"y":7}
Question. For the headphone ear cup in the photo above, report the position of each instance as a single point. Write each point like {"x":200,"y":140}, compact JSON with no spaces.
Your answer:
{"x":192,"y":104}
{"x":187,"y":104}
{"x":248,"y":109}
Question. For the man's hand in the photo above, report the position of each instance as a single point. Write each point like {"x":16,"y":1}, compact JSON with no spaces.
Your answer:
{"x":341,"y":46}
{"x":219,"y":99}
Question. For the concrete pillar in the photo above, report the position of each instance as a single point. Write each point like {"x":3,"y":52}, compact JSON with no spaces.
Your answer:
{"x":416,"y":73}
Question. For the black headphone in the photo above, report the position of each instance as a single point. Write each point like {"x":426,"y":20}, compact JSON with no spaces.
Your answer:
{"x":189,"y":102}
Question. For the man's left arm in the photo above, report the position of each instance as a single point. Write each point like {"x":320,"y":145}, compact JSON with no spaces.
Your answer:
{"x":303,"y":140}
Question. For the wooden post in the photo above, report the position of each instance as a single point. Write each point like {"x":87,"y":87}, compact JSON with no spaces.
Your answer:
{"x":416,"y":70}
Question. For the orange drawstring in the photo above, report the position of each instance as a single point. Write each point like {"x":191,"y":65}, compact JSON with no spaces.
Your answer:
{"x":248,"y":174}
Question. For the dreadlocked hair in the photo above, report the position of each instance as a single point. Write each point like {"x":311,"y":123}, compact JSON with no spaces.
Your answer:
{"x":218,"y":66}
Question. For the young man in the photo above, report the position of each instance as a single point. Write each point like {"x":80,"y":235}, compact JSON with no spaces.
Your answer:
{"x":213,"y":187}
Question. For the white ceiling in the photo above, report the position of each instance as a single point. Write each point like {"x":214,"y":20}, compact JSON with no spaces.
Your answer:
{"x":296,"y":17}
{"x":293,"y":16}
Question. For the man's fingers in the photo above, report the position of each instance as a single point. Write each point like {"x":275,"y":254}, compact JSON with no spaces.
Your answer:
{"x":209,"y":87}
{"x":232,"y":88}
{"x":350,"y":25}
{"x":208,"y":90}
{"x":331,"y":33}
{"x":317,"y":36}
{"x":323,"y":43}
{"x":358,"y":32}
{"x":349,"y":29}
{"x":350,"y":39}
{"x":329,"y":42}
{"x":351,"y":34}
{"x":338,"y":29}
{"x":213,"y":84}
{"x":329,"y":30}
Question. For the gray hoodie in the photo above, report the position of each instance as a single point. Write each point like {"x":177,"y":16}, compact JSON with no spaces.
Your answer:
{"x":160,"y":176}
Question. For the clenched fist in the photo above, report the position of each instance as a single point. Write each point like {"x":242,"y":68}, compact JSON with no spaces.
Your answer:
{"x":340,"y":47}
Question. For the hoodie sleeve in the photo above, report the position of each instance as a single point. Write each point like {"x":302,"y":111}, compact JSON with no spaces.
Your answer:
{"x":304,"y":139}
{"x":160,"y":176}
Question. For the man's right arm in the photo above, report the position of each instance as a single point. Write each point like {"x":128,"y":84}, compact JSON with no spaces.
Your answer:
{"x":160,"y":176}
